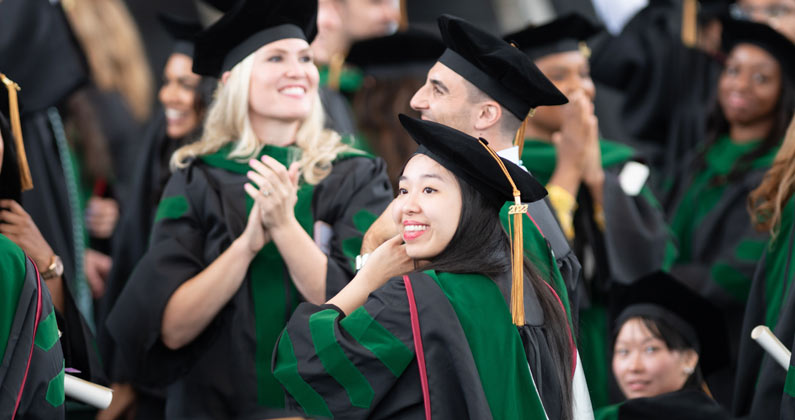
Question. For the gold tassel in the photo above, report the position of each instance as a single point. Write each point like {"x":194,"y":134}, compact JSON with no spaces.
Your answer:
{"x":518,"y":140}
{"x":404,"y":16}
{"x":689,"y":22}
{"x":585,"y":50}
{"x":16,"y":127}
{"x":335,"y":71}
{"x":517,"y":245}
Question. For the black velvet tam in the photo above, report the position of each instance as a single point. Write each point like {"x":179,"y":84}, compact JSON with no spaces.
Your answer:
{"x":500,"y":70}
{"x":249,"y":25}
{"x":561,"y":35}
{"x":409,"y":52}
{"x":466,"y":157}
{"x":662,"y":297}
{"x":737,"y":32}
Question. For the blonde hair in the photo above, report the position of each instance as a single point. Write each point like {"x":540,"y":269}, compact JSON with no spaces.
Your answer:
{"x":228,"y":122}
{"x":114,"y":51}
{"x":766,"y":202}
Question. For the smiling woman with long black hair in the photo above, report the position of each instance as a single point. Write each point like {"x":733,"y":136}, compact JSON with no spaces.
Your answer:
{"x":462,"y":335}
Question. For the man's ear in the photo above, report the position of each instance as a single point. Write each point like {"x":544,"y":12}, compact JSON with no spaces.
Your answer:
{"x":225,"y":77}
{"x":488,"y":115}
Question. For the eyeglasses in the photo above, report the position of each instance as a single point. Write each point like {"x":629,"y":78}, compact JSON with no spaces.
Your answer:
{"x":769,"y":12}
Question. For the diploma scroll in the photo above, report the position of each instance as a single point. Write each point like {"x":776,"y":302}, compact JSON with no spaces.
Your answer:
{"x":772,"y":345}
{"x":87,"y":392}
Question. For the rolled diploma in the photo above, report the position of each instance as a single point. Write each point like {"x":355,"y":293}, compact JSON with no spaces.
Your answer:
{"x":770,"y":343}
{"x":87,"y":392}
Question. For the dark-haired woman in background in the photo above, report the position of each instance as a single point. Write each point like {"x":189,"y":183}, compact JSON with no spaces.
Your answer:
{"x":718,"y":247}
{"x":360,"y":355}
{"x":667,"y":338}
{"x":184,"y":97}
{"x":760,"y":380}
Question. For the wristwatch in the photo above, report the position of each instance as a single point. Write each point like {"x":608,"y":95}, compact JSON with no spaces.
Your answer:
{"x":360,"y":260}
{"x":55,"y":269}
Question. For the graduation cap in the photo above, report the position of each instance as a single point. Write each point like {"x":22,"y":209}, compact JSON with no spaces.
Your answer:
{"x":249,"y":25}
{"x":26,"y":180}
{"x":501,"y":70}
{"x":737,"y":32}
{"x":412,"y":52}
{"x":183,"y":30}
{"x":495,"y":67}
{"x":662,"y":297}
{"x":567,"y":33}
{"x":497,"y":179}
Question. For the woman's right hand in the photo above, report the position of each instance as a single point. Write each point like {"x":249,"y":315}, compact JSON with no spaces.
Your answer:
{"x":387,"y":261}
{"x":254,"y":237}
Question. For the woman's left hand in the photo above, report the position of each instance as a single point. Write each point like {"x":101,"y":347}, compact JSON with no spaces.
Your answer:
{"x":279,"y":186}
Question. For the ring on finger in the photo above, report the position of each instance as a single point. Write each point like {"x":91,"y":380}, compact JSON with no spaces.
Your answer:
{"x":267,"y":192}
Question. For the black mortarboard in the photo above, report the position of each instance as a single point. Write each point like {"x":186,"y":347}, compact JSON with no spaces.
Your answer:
{"x":500,"y":70}
{"x":566,"y":33}
{"x":497,"y":179}
{"x":742,"y":31}
{"x":183,"y":30}
{"x":249,"y":25}
{"x":464,"y":156}
{"x":408,"y":52}
{"x":662,"y":297}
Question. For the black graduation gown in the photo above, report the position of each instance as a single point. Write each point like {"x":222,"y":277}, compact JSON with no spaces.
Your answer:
{"x":130,"y":241}
{"x":688,"y":404}
{"x":668,"y":88}
{"x":364,"y":365}
{"x":788,"y":396}
{"x":635,"y":241}
{"x":225,"y":371}
{"x":719,"y":249}
{"x":759,"y":379}
{"x":48,"y":66}
{"x":30,"y":351}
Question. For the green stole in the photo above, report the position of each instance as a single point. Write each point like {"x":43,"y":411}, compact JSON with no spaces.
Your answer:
{"x":700,"y":199}
{"x":268,"y":271}
{"x":483,"y":314}
{"x":267,"y":274}
{"x":12,"y":261}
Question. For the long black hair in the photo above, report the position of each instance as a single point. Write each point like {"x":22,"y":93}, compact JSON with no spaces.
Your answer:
{"x":717,"y":125}
{"x":10,"y":181}
{"x":481,"y":245}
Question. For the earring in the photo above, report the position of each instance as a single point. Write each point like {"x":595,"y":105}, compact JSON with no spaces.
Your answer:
{"x":689,"y":370}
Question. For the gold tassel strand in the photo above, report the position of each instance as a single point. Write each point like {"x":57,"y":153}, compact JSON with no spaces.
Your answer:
{"x":403,"y":24}
{"x":518,"y":139}
{"x":335,"y":65}
{"x":16,"y":127}
{"x":689,"y":22}
{"x":517,"y":245}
